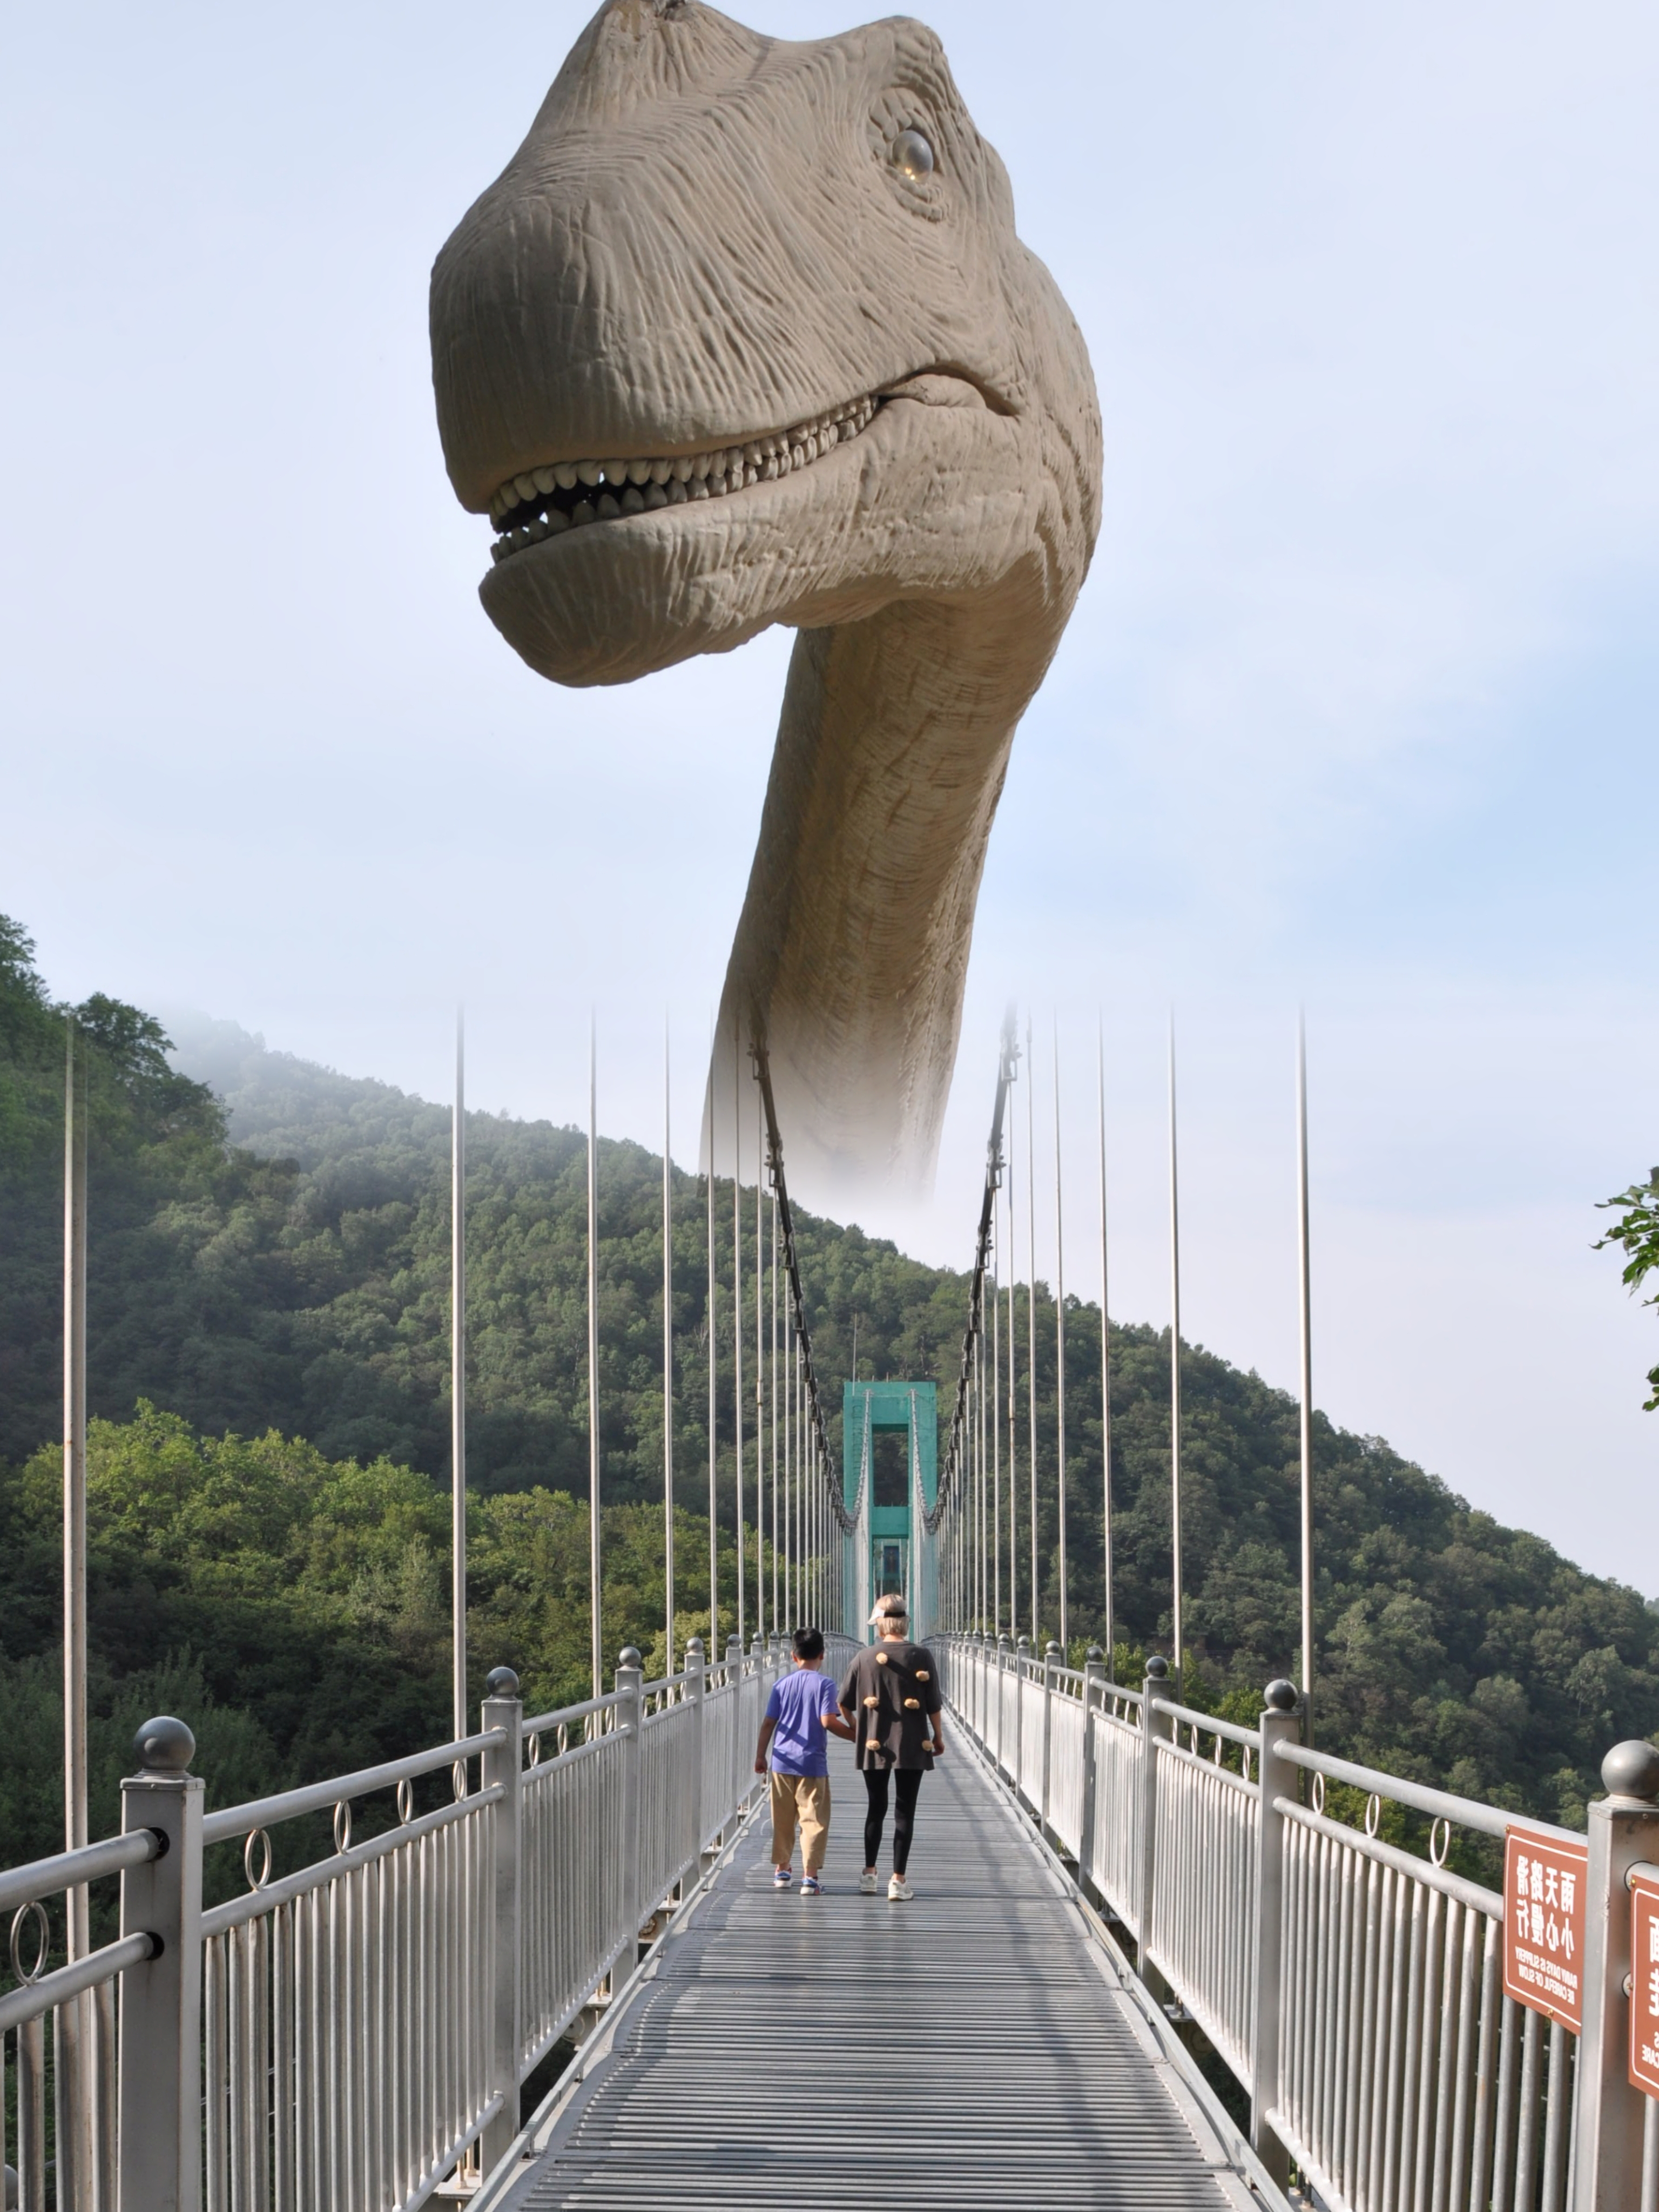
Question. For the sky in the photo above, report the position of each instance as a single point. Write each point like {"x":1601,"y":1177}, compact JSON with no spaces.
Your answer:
{"x":1354,"y":714}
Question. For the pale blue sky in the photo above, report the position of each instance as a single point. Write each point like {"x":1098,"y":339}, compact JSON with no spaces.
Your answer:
{"x":1357,"y":707}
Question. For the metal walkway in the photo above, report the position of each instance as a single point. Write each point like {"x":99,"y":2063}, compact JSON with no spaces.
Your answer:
{"x":969,"y":2049}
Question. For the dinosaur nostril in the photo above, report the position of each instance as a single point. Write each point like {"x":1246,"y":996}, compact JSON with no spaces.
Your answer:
{"x":913,"y":157}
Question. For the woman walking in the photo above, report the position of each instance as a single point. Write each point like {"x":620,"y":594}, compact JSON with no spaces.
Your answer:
{"x":891,"y":1693}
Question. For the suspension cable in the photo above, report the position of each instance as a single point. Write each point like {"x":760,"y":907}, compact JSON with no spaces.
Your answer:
{"x":1007,"y":1061}
{"x":848,"y":1521}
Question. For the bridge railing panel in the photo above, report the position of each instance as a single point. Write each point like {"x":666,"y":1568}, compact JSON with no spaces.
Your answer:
{"x":575,"y":1908}
{"x":1405,"y":2075}
{"x":1112,"y":1854}
{"x":1204,"y":1901}
{"x":1029,"y":1729}
{"x":59,"y":2023}
{"x":1067,"y":1724}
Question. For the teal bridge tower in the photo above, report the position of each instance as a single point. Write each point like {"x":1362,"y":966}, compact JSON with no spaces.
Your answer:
{"x":890,"y":1486}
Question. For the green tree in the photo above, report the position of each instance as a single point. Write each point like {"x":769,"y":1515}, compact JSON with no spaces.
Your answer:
{"x":1637,"y":1235}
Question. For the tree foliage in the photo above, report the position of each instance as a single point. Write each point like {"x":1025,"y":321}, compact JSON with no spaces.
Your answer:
{"x":1637,"y":1235}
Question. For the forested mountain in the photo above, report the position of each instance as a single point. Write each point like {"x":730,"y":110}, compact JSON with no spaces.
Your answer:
{"x":269,"y":1263}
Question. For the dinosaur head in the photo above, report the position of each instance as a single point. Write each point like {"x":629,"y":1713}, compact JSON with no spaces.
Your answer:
{"x":744,"y":334}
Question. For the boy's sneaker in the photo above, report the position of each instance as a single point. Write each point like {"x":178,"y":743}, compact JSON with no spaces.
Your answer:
{"x":811,"y":1886}
{"x":899,"y":1891}
{"x":867,"y":1884}
{"x":782,"y":1877}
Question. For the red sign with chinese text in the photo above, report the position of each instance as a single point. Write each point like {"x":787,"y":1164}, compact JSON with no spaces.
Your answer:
{"x":1645,"y":1986}
{"x":1544,"y":1924}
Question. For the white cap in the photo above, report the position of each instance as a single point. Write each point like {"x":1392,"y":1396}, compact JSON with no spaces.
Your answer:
{"x":891,"y":1608}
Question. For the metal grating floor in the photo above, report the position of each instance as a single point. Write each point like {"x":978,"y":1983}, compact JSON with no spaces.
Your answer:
{"x":829,"y":2054}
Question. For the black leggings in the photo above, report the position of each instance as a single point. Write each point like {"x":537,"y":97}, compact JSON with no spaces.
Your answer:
{"x":904,"y":1813}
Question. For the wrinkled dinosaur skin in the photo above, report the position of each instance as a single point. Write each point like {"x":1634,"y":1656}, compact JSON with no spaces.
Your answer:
{"x":709,"y":239}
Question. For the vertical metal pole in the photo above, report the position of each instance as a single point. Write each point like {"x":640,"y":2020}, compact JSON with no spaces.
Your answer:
{"x":760,"y":1375}
{"x":596,"y":1640}
{"x":1013,"y":1457}
{"x":457,"y":1385}
{"x":779,"y":1529}
{"x":1175,"y":1379}
{"x":159,"y":2076}
{"x":75,"y":2032}
{"x":737,"y":1295}
{"x":630,"y":1715}
{"x":1304,"y":1291}
{"x":996,"y":1426}
{"x":1155,"y":1683}
{"x":1105,"y":1380}
{"x":1030,"y":1314}
{"x":667,"y":1359}
{"x":979,"y":1458}
{"x":1060,"y":1362}
{"x":1280,"y":1723}
{"x":502,"y":1765}
{"x":713,"y":1388}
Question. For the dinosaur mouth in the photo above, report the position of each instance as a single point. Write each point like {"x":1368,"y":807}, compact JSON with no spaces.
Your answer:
{"x":544,"y":502}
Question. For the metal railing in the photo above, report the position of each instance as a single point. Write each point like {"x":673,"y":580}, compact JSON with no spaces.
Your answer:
{"x":339,"y":2038}
{"x":1353,"y":1988}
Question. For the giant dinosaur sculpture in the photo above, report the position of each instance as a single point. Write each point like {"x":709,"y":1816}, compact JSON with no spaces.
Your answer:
{"x":743,"y":334}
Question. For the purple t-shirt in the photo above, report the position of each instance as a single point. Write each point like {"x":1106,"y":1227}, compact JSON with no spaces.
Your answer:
{"x":799,"y":1703}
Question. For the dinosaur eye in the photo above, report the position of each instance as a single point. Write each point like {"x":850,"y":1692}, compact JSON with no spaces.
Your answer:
{"x":913,"y":157}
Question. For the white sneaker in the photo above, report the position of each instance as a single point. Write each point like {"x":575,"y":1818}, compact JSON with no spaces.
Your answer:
{"x":899,"y":1891}
{"x":867,"y":1884}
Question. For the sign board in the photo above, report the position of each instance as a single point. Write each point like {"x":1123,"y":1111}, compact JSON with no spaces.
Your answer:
{"x":1645,"y":1985}
{"x":1544,"y":1924}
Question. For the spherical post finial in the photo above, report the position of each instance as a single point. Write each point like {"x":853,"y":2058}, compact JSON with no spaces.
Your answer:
{"x":1051,"y":1649}
{"x":1280,"y":1696}
{"x":1094,"y":1655}
{"x":1631,"y":1769}
{"x":629,"y":1656}
{"x":164,"y":1745}
{"x":1158,"y":1667}
{"x":501,"y":1682}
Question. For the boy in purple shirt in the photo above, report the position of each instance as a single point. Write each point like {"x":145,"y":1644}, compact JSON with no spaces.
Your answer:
{"x":801,"y":1707}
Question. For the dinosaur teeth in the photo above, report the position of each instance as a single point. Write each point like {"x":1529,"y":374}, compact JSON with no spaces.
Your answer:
{"x":543,"y":503}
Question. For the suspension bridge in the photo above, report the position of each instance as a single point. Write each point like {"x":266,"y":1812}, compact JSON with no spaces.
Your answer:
{"x":1151,"y":1963}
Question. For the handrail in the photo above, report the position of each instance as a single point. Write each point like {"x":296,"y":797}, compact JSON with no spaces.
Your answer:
{"x":270,"y":1895}
{"x":46,"y":1877}
{"x":1471,"y":1893}
{"x":1209,"y":1723}
{"x":1462,"y":1812}
{"x":539,"y":1723}
{"x":318,"y":1797}
{"x":30,"y":1999}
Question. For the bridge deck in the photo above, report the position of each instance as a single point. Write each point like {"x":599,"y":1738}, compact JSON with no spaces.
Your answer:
{"x":970,"y":2049}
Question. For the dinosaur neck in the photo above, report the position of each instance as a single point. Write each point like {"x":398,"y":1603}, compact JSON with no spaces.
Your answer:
{"x":852,"y":951}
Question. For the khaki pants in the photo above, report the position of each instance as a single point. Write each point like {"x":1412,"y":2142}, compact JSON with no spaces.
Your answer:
{"x":803,"y":1798}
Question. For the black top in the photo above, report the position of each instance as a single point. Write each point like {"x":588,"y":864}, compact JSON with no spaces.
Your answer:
{"x":892,"y":1689}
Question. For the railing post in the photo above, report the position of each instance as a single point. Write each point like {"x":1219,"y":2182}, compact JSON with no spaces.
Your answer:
{"x":1094,"y":1680}
{"x":1050,"y":1660}
{"x":1624,"y":1831}
{"x":1001,"y":1699}
{"x":740,"y":1758}
{"x":630,"y":1714}
{"x":503,"y":1764}
{"x":159,"y":2127}
{"x":1022,"y":1669}
{"x":1281,"y":1723}
{"x":1152,"y":1726}
{"x":696,"y":1689}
